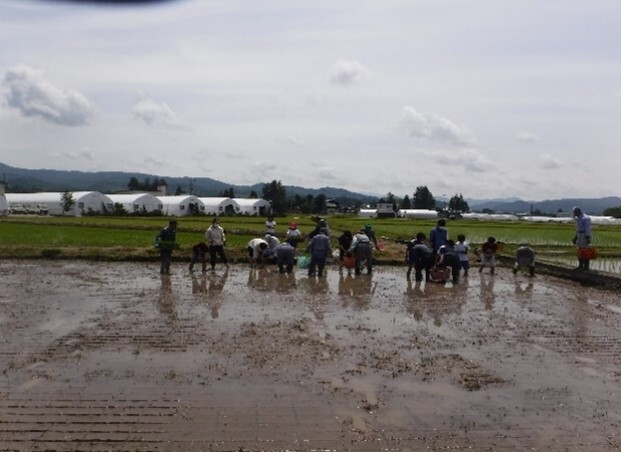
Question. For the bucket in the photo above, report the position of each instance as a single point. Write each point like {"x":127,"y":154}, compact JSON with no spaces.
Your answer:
{"x":587,"y":252}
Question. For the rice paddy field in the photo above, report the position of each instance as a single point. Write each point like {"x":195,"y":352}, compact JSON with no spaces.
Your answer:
{"x":132,"y":238}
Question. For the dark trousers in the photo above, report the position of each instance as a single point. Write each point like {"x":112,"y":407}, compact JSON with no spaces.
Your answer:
{"x":318,"y":260}
{"x":363,"y":252}
{"x":217,"y":250}
{"x":166,"y":258}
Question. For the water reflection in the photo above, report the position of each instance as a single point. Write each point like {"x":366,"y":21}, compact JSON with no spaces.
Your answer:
{"x":286,"y":282}
{"x":271,"y":280}
{"x":166,"y":299}
{"x":358,"y":289}
{"x":488,"y":297}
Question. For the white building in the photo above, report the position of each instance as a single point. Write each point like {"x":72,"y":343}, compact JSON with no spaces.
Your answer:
{"x":419,"y":214}
{"x":137,"y":202}
{"x":51,"y":203}
{"x":253,"y":206}
{"x":181,"y":205}
{"x":220,"y":206}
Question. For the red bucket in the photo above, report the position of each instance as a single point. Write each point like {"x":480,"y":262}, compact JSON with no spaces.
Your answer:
{"x":588,"y":253}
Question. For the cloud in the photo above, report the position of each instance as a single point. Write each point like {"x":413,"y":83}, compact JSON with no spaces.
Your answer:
{"x":550,"y":162}
{"x":467,"y":159}
{"x":33,"y":96}
{"x":527,"y":137}
{"x":348,"y":72}
{"x":434,"y":127}
{"x":161,"y":114}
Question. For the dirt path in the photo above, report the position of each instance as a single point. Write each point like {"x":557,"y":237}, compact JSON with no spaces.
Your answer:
{"x":107,"y":356}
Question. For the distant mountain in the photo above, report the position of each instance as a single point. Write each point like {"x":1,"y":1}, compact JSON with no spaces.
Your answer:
{"x":592,"y":206}
{"x":29,"y":180}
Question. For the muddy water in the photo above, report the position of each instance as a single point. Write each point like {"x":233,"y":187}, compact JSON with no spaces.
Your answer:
{"x":107,"y":356}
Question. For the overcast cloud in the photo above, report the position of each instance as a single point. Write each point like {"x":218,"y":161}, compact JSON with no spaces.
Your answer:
{"x":484,"y":98}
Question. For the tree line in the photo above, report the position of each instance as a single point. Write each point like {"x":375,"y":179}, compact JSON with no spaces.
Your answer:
{"x":422,"y":198}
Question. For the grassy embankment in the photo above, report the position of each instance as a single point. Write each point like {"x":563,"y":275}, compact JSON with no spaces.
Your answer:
{"x":132,"y":238}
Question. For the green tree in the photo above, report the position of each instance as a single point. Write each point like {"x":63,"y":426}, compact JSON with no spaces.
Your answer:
{"x":319,"y":204}
{"x":133,"y":184}
{"x":613,"y":212}
{"x":275,"y":193}
{"x":405,"y":203}
{"x":423,"y":199}
{"x":458,"y":202}
{"x":118,"y":209}
{"x":390,"y":198}
{"x":67,"y":201}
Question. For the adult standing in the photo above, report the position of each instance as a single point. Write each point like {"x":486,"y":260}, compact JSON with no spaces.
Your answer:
{"x":216,"y":239}
{"x":320,"y":248}
{"x":438,"y":236}
{"x":582,"y":239}
{"x":166,"y":241}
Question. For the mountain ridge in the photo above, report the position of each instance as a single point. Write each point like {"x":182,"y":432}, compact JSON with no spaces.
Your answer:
{"x":22,"y":179}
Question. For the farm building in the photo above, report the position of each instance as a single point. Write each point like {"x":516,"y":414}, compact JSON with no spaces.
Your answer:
{"x":253,"y":206}
{"x":421,"y":214}
{"x":220,"y":206}
{"x":137,"y":202}
{"x":181,"y":205}
{"x":51,"y":203}
{"x":385,"y":210}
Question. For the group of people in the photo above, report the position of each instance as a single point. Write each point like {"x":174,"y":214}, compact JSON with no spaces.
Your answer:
{"x":215,"y":240}
{"x":359,"y":246}
{"x":442,"y":258}
{"x":438,"y":257}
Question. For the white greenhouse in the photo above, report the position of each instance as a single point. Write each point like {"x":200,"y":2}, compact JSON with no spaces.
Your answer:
{"x":137,"y":202}
{"x":253,"y":206}
{"x":367,"y":213}
{"x":52,"y":203}
{"x":220,"y":206}
{"x":181,"y":205}
{"x":420,"y":214}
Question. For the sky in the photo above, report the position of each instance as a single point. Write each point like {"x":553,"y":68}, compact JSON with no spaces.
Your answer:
{"x":484,"y":98}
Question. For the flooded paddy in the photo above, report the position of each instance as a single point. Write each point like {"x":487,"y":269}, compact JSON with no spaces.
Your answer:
{"x":111,"y":356}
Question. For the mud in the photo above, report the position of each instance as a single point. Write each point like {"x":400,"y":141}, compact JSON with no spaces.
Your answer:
{"x":111,"y":356}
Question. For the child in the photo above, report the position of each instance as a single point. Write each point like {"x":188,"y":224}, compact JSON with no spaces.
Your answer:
{"x":488,"y":255}
{"x":524,"y":257}
{"x":199,"y":254}
{"x":462,"y":248}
